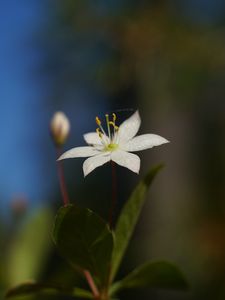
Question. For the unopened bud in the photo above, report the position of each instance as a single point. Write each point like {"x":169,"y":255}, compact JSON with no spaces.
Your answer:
{"x":60,"y":127}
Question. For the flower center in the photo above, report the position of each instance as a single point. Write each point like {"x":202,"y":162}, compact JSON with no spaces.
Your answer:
{"x":111,"y":147}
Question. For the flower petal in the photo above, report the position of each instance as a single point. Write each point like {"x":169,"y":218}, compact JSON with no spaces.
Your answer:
{"x":143,"y":142}
{"x":94,"y":162}
{"x":79,"y":152}
{"x":129,"y":128}
{"x":92,"y":138}
{"x":127,"y":160}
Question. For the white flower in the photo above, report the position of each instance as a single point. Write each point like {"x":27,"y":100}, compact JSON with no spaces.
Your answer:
{"x":115,"y":146}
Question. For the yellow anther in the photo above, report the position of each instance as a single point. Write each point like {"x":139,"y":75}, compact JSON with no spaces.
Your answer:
{"x":97,"y":120}
{"x":99,"y":132}
{"x":114,"y":117}
{"x":112,"y":123}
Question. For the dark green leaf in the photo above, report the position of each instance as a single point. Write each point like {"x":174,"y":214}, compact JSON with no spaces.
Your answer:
{"x":129,"y":217}
{"x":29,"y":288}
{"x":85,"y":240}
{"x":160,"y":274}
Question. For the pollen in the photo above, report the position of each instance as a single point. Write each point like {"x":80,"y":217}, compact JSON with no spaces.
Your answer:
{"x":97,"y":120}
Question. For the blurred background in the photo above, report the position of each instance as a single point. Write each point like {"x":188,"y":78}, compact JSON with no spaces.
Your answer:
{"x":86,"y":58}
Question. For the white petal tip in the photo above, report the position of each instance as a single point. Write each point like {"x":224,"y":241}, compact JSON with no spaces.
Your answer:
{"x":63,"y":156}
{"x":137,"y":171}
{"x":161,"y":141}
{"x":85,"y":173}
{"x":166,"y":141}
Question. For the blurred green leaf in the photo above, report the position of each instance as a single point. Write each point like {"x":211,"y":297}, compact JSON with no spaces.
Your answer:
{"x":159,"y":274}
{"x":29,"y":248}
{"x":29,"y":288}
{"x":85,"y":240}
{"x":129,"y":217}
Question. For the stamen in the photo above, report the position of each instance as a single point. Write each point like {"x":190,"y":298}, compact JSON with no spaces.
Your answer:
{"x":113,"y":123}
{"x":99,"y":132}
{"x":114,"y":126}
{"x":97,"y":120}
{"x":108,"y":125}
{"x":115,"y":139}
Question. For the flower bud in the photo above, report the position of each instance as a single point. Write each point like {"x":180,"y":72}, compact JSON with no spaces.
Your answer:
{"x":59,"y":127}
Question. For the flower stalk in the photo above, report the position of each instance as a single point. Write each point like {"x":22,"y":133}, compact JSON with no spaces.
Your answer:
{"x":114,"y":196}
{"x":62,"y":181}
{"x":92,"y":285}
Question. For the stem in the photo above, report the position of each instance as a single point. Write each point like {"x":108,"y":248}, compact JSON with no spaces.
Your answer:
{"x":114,"y":195}
{"x":62,"y":181}
{"x":91,"y":283}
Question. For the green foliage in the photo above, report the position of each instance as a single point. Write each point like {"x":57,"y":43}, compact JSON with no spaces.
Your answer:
{"x":129,"y":217}
{"x":87,"y":243}
{"x":29,"y":288}
{"x":85,"y":240}
{"x":159,"y":274}
{"x":29,"y":248}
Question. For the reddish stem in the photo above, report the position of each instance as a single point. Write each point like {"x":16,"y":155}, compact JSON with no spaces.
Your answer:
{"x":92,"y":284}
{"x":114,"y":195}
{"x":62,"y":181}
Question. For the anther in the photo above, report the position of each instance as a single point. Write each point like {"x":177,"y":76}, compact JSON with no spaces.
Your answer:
{"x":113,"y":124}
{"x":114,"y":117}
{"x":98,"y":132}
{"x":97,"y":120}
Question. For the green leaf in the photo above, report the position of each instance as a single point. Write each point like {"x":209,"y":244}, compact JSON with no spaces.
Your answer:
{"x":85,"y":240}
{"x":30,"y":288}
{"x":29,"y":248}
{"x":129,"y":217}
{"x":159,"y":274}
